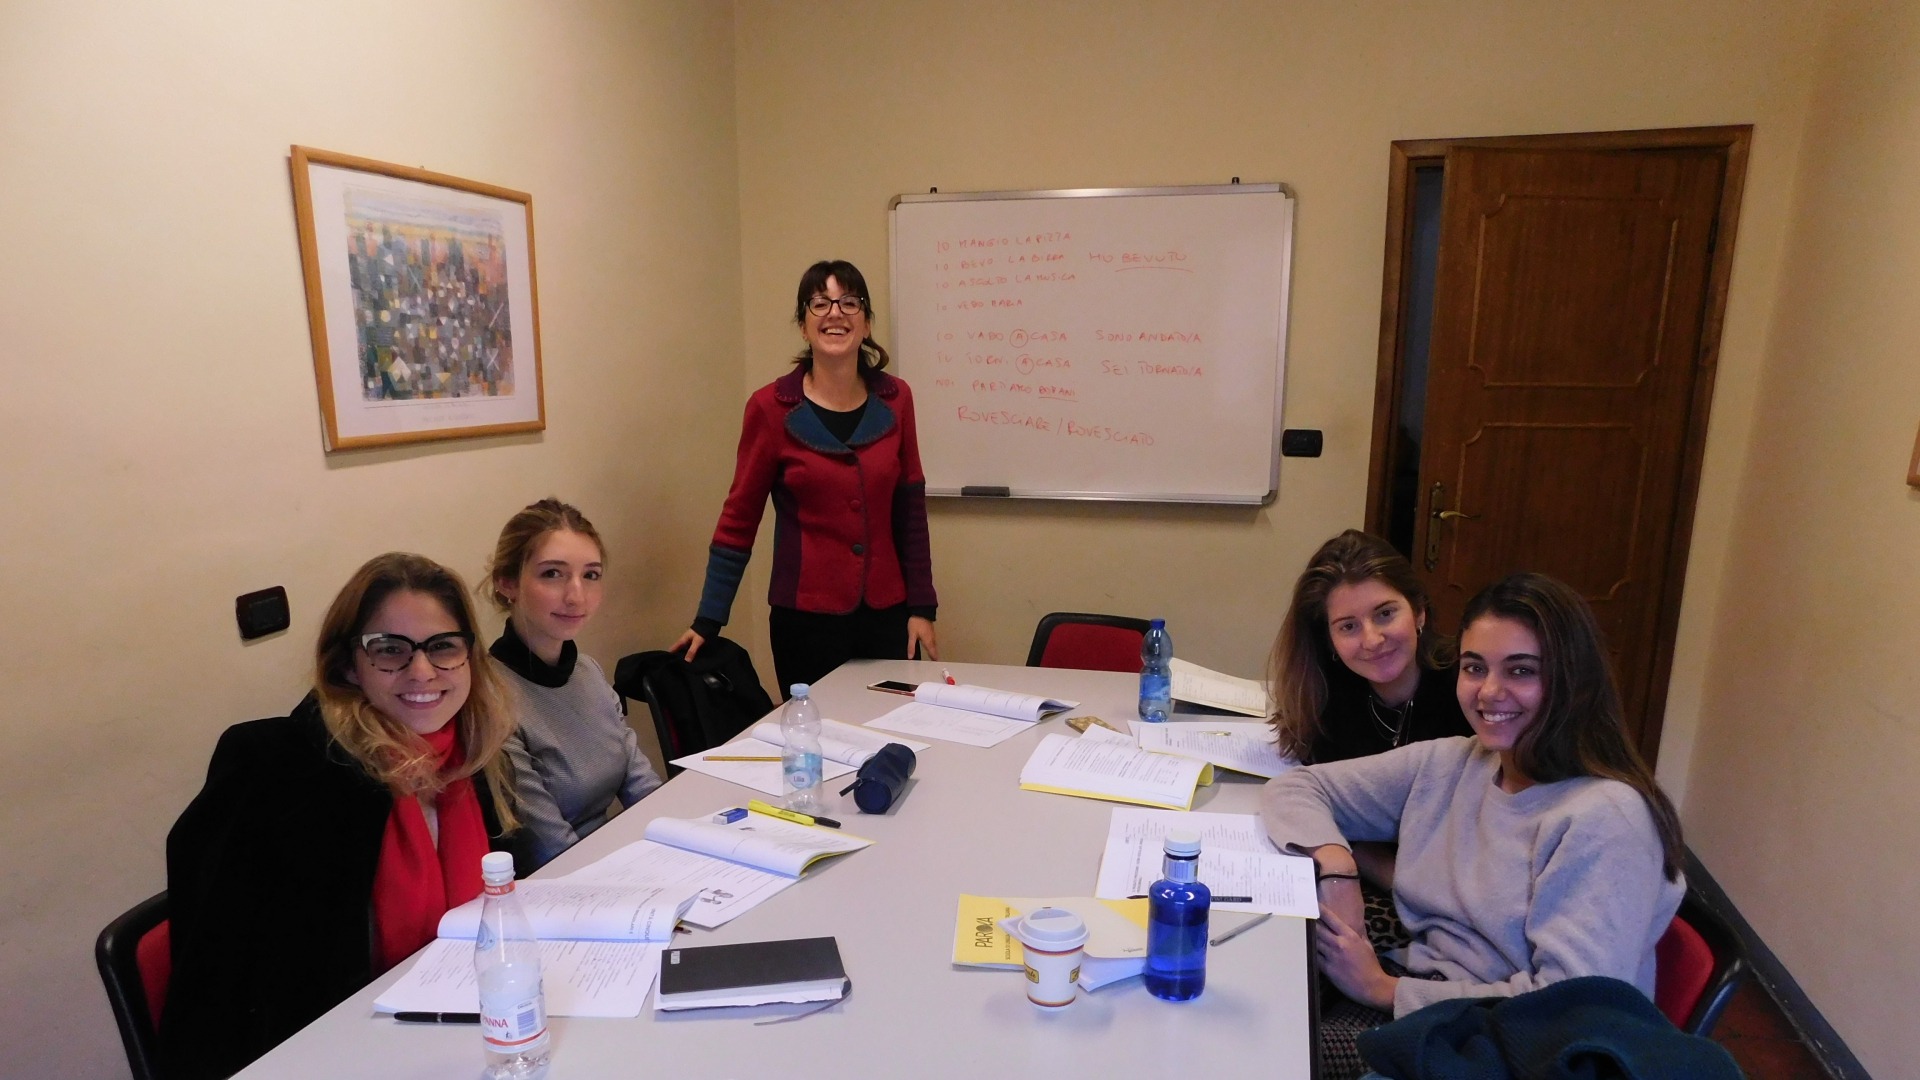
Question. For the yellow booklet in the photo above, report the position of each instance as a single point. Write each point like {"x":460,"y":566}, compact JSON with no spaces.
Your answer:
{"x":1114,"y":770}
{"x":1116,"y":934}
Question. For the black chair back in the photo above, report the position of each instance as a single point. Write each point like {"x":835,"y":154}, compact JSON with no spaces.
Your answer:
{"x":136,"y":962}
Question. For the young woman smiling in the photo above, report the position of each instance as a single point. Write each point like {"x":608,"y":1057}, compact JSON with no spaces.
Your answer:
{"x":1354,"y":670}
{"x":833,"y":442}
{"x":1538,"y":850}
{"x":573,"y":753}
{"x":326,"y":844}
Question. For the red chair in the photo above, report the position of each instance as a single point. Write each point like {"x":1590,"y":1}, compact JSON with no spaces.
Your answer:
{"x":135,"y":954}
{"x":1697,"y":966}
{"x":1074,"y":639}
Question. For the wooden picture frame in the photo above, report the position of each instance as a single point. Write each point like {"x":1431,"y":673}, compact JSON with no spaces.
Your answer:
{"x":1913,"y":464}
{"x":421,"y":302}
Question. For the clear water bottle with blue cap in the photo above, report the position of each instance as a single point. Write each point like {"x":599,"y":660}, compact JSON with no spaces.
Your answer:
{"x":800,"y":751}
{"x":1156,"y":673}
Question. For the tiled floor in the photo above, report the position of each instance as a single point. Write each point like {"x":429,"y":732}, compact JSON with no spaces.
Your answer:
{"x":1761,"y":1040}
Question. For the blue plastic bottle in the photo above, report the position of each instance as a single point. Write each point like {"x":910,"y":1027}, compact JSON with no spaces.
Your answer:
{"x":1177,"y":909}
{"x":1156,"y":673}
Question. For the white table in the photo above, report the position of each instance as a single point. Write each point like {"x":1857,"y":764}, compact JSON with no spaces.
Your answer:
{"x":963,"y":826}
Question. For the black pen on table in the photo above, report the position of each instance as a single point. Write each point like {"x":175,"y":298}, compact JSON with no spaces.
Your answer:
{"x":1217,"y":899}
{"x":436,"y":1018}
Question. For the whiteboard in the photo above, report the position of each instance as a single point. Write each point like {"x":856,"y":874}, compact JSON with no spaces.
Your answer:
{"x":1096,"y":344}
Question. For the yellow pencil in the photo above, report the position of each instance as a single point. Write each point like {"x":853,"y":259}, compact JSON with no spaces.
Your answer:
{"x":738,"y":757}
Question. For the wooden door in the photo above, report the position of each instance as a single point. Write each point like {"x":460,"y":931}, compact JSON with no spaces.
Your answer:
{"x":1569,"y":302}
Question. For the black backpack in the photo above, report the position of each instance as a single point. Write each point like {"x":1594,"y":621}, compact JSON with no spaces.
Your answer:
{"x":696,"y":704}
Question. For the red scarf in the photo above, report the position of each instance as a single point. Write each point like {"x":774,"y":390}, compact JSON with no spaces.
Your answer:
{"x":414,"y":885}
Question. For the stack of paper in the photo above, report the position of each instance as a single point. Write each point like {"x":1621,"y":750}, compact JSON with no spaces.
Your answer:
{"x":973,"y":715}
{"x":734,"y":867}
{"x":1236,"y":859}
{"x":1242,"y":747}
{"x":1201,"y":686}
{"x":595,"y":953}
{"x":1096,"y":768}
{"x":844,"y":747}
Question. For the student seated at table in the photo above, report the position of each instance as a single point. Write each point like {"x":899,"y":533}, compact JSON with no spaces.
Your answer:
{"x":573,"y":753}
{"x":1537,"y":850}
{"x":1355,"y":670}
{"x":326,"y":844}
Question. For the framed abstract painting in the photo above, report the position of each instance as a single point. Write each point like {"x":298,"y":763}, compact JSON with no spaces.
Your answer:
{"x":420,"y":301}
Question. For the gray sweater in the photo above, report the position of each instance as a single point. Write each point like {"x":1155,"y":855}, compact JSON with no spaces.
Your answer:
{"x":1503,"y":893}
{"x":572,"y":755}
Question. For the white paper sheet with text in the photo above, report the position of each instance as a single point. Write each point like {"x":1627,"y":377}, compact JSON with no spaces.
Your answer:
{"x":982,"y":699}
{"x":727,"y":890}
{"x":1236,"y":859}
{"x":563,"y":910}
{"x":1242,"y":747}
{"x":763,"y":776}
{"x":950,"y":725}
{"x":581,"y":978}
{"x":1203,"y":686}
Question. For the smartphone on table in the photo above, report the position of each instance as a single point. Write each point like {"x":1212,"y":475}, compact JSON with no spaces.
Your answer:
{"x":894,"y":686}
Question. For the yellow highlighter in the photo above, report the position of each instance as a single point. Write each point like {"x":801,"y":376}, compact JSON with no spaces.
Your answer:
{"x":771,"y":810}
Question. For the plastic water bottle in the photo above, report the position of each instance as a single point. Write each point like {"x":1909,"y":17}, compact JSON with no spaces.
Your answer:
{"x":1156,"y":673}
{"x":506,"y":962}
{"x":800,"y":754}
{"x":1177,"y":909}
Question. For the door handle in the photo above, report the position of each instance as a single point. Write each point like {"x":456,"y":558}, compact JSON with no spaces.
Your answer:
{"x":1433,"y":530}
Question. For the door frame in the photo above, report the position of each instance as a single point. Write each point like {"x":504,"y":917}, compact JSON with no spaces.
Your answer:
{"x":1732,"y":143}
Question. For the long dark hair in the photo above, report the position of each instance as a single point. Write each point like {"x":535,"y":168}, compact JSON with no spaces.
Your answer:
{"x":1581,"y":729}
{"x":852,"y":282}
{"x":1303,"y":652}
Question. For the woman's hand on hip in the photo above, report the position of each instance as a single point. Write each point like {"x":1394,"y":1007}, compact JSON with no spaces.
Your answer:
{"x":689,"y":641}
{"x":920,"y":634}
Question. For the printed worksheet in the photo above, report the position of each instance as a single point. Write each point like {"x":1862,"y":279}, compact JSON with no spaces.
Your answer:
{"x":581,"y":978}
{"x":1242,"y":747}
{"x":727,"y":890}
{"x":1236,"y":860}
{"x":950,"y":725}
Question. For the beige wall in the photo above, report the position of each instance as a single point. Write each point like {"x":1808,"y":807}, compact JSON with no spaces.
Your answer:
{"x":1803,"y":797}
{"x":1011,"y":95}
{"x":159,"y":428}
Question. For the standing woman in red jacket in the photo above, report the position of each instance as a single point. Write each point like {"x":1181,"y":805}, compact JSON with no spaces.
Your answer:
{"x":833,"y":442}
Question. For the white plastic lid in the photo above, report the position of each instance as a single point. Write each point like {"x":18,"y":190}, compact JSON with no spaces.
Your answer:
{"x":799,"y":689}
{"x":1183,"y":842}
{"x":496,"y":867}
{"x":1052,"y":929}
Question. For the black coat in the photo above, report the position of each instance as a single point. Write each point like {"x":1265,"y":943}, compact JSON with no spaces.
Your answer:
{"x":270,"y":890}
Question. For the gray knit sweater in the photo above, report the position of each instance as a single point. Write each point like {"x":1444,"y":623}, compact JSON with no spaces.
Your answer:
{"x":572,"y":755}
{"x":1503,"y":893}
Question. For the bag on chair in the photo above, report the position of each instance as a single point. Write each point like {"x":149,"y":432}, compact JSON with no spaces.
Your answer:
{"x":696,"y":704}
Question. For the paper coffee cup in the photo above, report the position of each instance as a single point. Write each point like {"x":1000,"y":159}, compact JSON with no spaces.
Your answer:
{"x":1053,"y":941}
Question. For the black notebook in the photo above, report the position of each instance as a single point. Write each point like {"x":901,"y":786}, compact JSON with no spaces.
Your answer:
{"x":751,"y":973}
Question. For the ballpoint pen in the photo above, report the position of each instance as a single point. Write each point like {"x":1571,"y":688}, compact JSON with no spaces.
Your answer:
{"x":1242,"y":928}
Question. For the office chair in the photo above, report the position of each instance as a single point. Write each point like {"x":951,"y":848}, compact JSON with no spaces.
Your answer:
{"x":135,"y":954}
{"x":1698,"y":964}
{"x":1075,"y":639}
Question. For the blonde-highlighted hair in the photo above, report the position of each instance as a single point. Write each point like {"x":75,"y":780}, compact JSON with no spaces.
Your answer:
{"x":1303,"y":652}
{"x":522,"y":532}
{"x":389,"y":751}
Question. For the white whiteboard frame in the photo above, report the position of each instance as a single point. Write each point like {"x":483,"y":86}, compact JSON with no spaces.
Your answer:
{"x":1280,"y":337}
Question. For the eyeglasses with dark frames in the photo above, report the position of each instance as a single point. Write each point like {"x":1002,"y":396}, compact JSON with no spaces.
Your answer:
{"x":394,"y":653}
{"x":848,"y":304}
